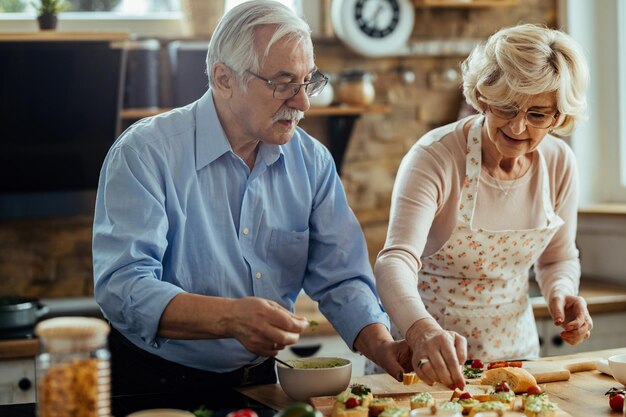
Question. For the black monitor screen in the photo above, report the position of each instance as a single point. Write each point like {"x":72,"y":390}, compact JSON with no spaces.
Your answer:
{"x":59,"y":106}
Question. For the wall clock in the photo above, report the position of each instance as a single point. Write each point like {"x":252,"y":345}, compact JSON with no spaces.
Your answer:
{"x":373,"y":27}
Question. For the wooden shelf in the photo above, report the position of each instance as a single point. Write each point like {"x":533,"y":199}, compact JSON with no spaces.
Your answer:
{"x":340,"y":110}
{"x":465,"y":3}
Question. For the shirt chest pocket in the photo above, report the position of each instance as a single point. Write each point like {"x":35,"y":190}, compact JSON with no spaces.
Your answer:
{"x":289,"y":249}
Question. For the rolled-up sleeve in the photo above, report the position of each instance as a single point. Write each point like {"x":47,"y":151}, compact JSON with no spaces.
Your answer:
{"x":129,"y":241}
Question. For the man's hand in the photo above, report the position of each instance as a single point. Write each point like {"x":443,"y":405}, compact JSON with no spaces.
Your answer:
{"x":263,"y":326}
{"x":375,"y":342}
{"x":571,"y":313}
{"x":437,"y":353}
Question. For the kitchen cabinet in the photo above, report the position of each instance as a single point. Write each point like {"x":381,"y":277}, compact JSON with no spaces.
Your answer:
{"x":607,"y":333}
{"x":325,"y":346}
{"x":17,"y":381}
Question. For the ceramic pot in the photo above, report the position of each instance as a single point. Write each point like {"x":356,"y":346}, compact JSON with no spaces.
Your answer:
{"x":47,"y":21}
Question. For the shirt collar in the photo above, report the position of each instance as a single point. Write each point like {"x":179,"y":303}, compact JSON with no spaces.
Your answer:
{"x":211,"y":140}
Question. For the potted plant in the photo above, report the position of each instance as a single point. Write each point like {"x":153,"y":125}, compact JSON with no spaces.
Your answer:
{"x":47,"y":11}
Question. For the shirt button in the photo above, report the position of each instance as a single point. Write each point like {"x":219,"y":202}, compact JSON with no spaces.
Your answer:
{"x":246,"y":231}
{"x":258,"y":275}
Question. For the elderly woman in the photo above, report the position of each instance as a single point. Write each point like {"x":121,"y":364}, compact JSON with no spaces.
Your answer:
{"x":480,"y":201}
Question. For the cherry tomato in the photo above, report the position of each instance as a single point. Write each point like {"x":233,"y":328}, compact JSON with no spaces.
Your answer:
{"x":465,"y":396}
{"x":352,"y":402}
{"x":502,"y":387}
{"x":534,"y":390}
{"x":477,"y":364}
{"x":616,"y":402}
{"x":499,"y":364}
{"x":244,"y":412}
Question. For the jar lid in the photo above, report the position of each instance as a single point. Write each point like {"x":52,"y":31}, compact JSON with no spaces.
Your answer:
{"x":63,"y":332}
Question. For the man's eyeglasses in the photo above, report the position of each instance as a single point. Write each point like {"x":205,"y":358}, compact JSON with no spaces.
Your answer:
{"x":285,"y":91}
{"x":533,"y":118}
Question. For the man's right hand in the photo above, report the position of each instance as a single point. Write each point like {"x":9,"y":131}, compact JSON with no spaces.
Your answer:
{"x":437,"y":353}
{"x":263,"y":326}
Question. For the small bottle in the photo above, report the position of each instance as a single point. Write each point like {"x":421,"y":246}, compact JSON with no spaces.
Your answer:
{"x":356,"y":88}
{"x":73,"y":368}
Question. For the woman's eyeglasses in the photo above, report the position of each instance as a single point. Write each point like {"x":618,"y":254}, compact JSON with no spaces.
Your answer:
{"x":285,"y":91}
{"x":533,"y":118}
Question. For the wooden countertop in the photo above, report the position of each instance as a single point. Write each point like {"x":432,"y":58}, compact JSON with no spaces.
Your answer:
{"x":600,"y":297}
{"x":582,"y":395}
{"x":19,"y":348}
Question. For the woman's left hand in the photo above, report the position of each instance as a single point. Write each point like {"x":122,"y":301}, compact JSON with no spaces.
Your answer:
{"x":571,"y":313}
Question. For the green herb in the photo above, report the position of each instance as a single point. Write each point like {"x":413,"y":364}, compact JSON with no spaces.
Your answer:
{"x":472,"y":373}
{"x":359,"y":389}
{"x":202,"y":411}
{"x":313,"y":325}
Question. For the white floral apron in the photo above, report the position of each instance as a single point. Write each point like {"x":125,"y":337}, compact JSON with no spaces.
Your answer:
{"x":477,"y":283}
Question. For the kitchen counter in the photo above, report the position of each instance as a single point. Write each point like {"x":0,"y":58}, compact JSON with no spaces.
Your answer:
{"x":582,"y":395}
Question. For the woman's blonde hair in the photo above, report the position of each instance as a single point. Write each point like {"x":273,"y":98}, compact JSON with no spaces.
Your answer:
{"x":526,"y":60}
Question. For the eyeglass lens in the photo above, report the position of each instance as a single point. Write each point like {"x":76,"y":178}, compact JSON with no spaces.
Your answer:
{"x":533,"y":118}
{"x":285,"y":91}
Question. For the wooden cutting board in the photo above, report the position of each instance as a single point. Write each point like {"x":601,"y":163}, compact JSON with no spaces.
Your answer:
{"x":325,"y":404}
{"x":559,"y":370}
{"x":555,"y":370}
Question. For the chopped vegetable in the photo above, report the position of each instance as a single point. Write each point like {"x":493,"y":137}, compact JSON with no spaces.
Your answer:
{"x":359,"y":389}
{"x":471,"y":373}
{"x":244,"y":412}
{"x":313,"y":325}
{"x":352,"y":402}
{"x":202,"y":411}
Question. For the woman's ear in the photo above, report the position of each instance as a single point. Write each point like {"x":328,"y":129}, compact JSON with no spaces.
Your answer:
{"x":482,"y":107}
{"x":560,"y":120}
{"x":224,"y":80}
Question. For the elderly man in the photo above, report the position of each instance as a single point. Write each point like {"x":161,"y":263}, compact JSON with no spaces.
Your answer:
{"x":210,"y":219}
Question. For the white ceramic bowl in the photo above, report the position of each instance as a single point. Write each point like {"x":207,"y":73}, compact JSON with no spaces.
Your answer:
{"x":617,"y":364}
{"x":314,"y":377}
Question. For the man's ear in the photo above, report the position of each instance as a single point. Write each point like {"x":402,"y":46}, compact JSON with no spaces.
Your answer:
{"x":224,"y":80}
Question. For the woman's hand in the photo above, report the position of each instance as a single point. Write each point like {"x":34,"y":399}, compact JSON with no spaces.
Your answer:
{"x":571,"y":313}
{"x":437,"y":353}
{"x":375,"y":342}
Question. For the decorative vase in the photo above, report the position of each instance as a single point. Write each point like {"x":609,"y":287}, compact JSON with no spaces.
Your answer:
{"x":202,"y":16}
{"x":47,"y":21}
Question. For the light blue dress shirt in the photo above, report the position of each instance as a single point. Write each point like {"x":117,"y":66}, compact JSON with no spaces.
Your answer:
{"x":177,"y":211}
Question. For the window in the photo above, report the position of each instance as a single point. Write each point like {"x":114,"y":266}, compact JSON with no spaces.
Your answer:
{"x":161,"y":18}
{"x":600,"y":143}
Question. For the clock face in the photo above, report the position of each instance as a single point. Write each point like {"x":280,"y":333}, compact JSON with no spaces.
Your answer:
{"x":377,"y":18}
{"x":374,"y":27}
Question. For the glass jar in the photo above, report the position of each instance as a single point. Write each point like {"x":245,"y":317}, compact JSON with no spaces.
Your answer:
{"x":355,"y":88}
{"x":73,"y":368}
